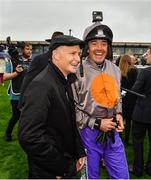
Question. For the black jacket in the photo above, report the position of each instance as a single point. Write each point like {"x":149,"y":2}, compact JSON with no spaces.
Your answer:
{"x":128,"y":101}
{"x":16,"y":82}
{"x":142,"y":110}
{"x":47,"y":125}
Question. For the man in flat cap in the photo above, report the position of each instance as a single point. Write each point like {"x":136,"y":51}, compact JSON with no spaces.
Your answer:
{"x":47,"y":126}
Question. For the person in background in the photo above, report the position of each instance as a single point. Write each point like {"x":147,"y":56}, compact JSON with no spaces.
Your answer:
{"x":15,"y":71}
{"x":142,"y":119}
{"x":55,"y":34}
{"x":118,"y":60}
{"x":133,"y":60}
{"x":98,"y":103}
{"x":129,"y":75}
{"x":47,"y":127}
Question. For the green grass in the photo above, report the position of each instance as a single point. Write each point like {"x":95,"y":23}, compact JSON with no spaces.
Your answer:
{"x":13,"y":162}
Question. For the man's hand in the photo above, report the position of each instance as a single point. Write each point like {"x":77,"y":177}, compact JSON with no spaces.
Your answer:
{"x":80,"y":163}
{"x":120,"y":122}
{"x":58,"y":177}
{"x":19,"y":68}
{"x":107,"y":124}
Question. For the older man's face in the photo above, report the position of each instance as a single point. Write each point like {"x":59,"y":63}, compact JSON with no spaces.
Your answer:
{"x":67,"y":58}
{"x":148,"y":56}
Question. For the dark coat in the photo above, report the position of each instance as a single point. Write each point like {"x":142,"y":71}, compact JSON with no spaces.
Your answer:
{"x":142,"y":110}
{"x":129,"y":100}
{"x":47,"y":126}
{"x":16,"y":82}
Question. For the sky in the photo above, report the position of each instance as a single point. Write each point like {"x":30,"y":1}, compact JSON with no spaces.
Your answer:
{"x":36,"y":20}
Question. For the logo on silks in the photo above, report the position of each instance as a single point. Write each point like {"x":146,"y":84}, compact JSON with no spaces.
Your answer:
{"x":104,"y":90}
{"x":100,"y":33}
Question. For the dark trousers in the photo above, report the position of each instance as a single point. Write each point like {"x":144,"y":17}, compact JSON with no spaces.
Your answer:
{"x":38,"y":171}
{"x":15,"y":117}
{"x":138,"y":136}
{"x":127,"y":130}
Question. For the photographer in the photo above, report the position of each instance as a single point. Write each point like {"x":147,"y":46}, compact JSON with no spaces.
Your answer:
{"x":15,"y":71}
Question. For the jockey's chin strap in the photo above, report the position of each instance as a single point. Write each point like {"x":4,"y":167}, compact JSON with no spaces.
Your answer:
{"x":100,"y":65}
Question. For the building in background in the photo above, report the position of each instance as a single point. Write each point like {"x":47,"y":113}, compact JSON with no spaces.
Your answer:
{"x":119,"y":48}
{"x":133,"y":48}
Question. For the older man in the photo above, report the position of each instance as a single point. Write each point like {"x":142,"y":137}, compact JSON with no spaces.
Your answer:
{"x":47,"y":128}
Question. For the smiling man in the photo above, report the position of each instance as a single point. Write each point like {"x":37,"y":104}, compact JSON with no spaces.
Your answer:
{"x":97,"y":95}
{"x":47,"y":126}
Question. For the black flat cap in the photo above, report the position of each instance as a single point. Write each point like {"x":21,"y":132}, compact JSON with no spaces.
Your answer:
{"x":65,"y":40}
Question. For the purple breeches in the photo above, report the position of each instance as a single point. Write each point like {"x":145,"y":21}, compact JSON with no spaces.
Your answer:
{"x":113,"y":155}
